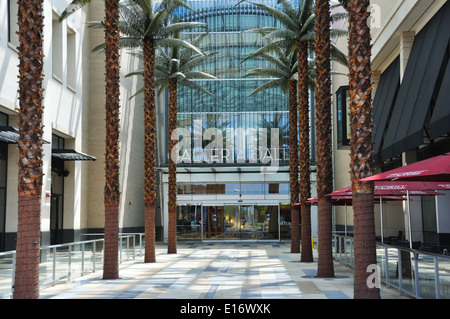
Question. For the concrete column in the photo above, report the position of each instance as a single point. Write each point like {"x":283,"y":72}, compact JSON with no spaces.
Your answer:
{"x":406,"y":43}
{"x":375,"y":80}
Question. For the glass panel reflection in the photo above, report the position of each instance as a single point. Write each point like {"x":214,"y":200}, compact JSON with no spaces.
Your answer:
{"x":228,"y":222}
{"x":189,"y":222}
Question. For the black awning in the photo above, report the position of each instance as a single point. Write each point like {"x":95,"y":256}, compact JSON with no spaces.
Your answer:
{"x":9,"y":134}
{"x":71,"y":155}
{"x":440,"y":120}
{"x":419,"y":85}
{"x":383,"y":104}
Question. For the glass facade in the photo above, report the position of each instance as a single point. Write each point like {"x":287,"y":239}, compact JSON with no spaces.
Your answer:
{"x":244,"y":127}
{"x":231,"y":109}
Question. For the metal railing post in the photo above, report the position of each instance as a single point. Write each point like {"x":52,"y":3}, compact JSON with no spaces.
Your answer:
{"x":351,"y":254}
{"x":345,"y":251}
{"x":386,"y":261}
{"x":94,"y":245}
{"x":82,"y":258}
{"x":13,"y":280}
{"x":128,"y":247}
{"x":69,"y":268}
{"x":120,"y":249}
{"x":436,"y":278}
{"x":400,"y":270}
{"x":416,"y":274}
{"x":54,"y":266}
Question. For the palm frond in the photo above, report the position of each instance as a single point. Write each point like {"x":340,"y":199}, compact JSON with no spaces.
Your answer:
{"x":268,"y":72}
{"x":262,"y":30}
{"x":195,"y":61}
{"x":179,"y":26}
{"x":199,"y":75}
{"x":308,"y":25}
{"x":72,"y":7}
{"x":281,"y":33}
{"x":337,"y":16}
{"x":337,"y":55}
{"x":268,"y":48}
{"x":282,"y":17}
{"x":305,"y":10}
{"x":196,"y":86}
{"x":268,"y":85}
{"x":174,"y":42}
{"x":280,"y":61}
{"x":288,"y":9}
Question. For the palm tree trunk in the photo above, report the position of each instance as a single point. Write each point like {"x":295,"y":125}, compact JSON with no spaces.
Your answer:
{"x":304,"y":157}
{"x":149,"y":149}
{"x":31,"y":24}
{"x":112,"y":183}
{"x":172,"y":235}
{"x":293,"y":167}
{"x":361,"y":148}
{"x":323,"y":138}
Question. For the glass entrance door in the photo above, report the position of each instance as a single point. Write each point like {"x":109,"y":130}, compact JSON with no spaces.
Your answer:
{"x":229,"y":222}
{"x":241,"y":222}
{"x":232,"y":223}
{"x":247,"y":217}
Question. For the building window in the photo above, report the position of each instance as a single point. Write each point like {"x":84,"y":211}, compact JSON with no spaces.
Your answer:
{"x":343,"y":116}
{"x":71,"y":59}
{"x":13,"y":37}
{"x":233,"y":189}
{"x":57,"y":48}
{"x":57,"y":195}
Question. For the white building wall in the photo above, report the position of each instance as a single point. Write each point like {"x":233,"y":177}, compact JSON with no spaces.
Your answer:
{"x":131,"y":133}
{"x":62,"y":110}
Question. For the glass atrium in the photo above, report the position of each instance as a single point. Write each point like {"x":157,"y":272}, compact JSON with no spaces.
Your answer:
{"x":246,"y":208}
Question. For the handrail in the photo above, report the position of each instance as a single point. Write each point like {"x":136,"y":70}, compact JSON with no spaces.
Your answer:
{"x":63,"y":262}
{"x":414,"y":272}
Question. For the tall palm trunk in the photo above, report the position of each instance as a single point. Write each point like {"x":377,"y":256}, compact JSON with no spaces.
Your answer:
{"x":293,"y":167}
{"x":304,"y":157}
{"x":31,"y":24}
{"x":323,"y":138}
{"x":172,"y":235}
{"x":149,"y":149}
{"x":361,"y":148}
{"x":112,"y":183}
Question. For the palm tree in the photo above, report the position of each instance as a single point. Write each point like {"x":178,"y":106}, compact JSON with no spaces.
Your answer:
{"x":31,"y":58}
{"x":361,"y":145}
{"x":325,"y":266}
{"x":173,"y":68}
{"x":112,"y":108}
{"x":146,"y":26}
{"x":298,"y":33}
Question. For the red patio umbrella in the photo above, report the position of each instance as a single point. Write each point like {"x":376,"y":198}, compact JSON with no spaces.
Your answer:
{"x":433,"y":169}
{"x":400,"y":187}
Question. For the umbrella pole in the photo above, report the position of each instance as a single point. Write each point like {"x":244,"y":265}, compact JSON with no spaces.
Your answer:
{"x":409,"y":220}
{"x":381,"y":219}
{"x":345,"y":219}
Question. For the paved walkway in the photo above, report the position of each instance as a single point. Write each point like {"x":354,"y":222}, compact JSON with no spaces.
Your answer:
{"x":216,"y":271}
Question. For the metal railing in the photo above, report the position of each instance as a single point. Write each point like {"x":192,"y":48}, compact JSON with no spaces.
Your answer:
{"x":64,"y":262}
{"x":413,"y":272}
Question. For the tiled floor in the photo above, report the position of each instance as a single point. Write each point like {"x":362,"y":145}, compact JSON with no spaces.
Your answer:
{"x":216,"y":271}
